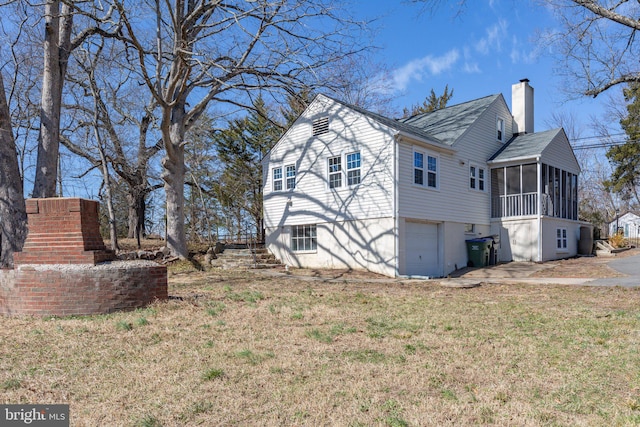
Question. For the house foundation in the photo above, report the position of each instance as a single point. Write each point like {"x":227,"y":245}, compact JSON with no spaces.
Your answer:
{"x":65,"y":268}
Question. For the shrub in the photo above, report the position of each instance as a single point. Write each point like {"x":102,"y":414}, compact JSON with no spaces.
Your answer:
{"x":618,"y":241}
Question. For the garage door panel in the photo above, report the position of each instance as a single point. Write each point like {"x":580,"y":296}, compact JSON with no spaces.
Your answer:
{"x":421,"y":249}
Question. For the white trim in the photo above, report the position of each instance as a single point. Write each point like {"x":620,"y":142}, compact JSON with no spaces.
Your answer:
{"x":426,"y":154}
{"x":477,"y":178}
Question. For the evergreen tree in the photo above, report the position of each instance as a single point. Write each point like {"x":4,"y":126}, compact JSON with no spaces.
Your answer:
{"x":296,"y":104}
{"x":625,"y":158}
{"x":431,"y":103}
{"x":241,"y":147}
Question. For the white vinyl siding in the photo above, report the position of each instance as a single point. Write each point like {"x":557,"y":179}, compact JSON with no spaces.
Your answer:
{"x":371,"y":163}
{"x":453,"y":200}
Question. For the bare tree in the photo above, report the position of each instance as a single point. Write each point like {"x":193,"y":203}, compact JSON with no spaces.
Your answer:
{"x":58,"y":45}
{"x":213,"y":51}
{"x":597,"y":43}
{"x":116,"y":117}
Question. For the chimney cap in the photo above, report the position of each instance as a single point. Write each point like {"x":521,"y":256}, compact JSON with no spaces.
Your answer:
{"x":525,"y":80}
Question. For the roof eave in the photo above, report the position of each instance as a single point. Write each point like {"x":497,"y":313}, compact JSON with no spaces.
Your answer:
{"x":535,"y":158}
{"x":437,"y":146}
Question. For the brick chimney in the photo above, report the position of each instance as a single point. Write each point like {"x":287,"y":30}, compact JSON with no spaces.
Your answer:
{"x":522,"y":107}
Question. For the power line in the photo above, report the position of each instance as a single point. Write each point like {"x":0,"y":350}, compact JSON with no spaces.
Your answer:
{"x":603,"y":144}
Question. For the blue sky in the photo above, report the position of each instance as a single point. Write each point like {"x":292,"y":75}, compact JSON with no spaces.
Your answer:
{"x":483,"y":51}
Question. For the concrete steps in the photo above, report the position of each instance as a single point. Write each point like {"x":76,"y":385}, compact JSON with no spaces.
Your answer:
{"x":245,"y":258}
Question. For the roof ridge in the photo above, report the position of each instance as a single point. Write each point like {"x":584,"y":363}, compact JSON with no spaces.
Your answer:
{"x":449,"y":106}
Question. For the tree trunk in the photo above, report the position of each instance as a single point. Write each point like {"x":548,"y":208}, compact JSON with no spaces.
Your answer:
{"x":56,"y":53}
{"x":137,"y":212}
{"x":13,"y":216}
{"x":173,"y":176}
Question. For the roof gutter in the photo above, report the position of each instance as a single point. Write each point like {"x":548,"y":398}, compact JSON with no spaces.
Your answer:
{"x":514,"y":159}
{"x":412,"y":138}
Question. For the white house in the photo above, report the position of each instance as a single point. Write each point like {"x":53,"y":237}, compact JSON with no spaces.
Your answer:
{"x":348,"y":188}
{"x":629,"y":223}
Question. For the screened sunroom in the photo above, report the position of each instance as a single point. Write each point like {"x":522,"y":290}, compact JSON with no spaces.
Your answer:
{"x":532,"y":188}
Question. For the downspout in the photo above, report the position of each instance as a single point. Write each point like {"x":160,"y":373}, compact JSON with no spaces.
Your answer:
{"x":396,"y":216}
{"x":539,"y":180}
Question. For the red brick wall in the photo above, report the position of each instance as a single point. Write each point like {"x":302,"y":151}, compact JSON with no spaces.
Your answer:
{"x":63,"y":231}
{"x":76,"y":290}
{"x":67,"y":231}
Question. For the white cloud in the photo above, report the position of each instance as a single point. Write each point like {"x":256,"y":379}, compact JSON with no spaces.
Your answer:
{"x":493,"y":40}
{"x":522,"y":53}
{"x":417,"y":69}
{"x":471,"y":68}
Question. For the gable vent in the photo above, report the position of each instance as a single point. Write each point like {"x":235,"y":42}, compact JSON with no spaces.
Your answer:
{"x":320,"y":126}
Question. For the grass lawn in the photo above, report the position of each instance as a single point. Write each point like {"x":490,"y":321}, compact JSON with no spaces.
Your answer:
{"x":245,"y":349}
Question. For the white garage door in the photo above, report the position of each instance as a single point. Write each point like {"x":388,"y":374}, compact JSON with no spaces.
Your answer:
{"x":422,"y":249}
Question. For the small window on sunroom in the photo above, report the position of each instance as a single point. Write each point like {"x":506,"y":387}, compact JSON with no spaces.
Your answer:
{"x":320,"y":126}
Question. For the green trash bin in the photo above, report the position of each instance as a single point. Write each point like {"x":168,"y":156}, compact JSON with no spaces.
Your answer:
{"x":478,"y":251}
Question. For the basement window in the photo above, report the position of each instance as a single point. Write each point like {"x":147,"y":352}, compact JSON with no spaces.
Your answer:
{"x":320,"y":126}
{"x":303,"y":238}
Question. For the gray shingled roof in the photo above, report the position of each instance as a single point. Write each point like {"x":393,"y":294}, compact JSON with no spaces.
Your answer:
{"x":449,"y":123}
{"x":392,"y":123}
{"x":529,"y":145}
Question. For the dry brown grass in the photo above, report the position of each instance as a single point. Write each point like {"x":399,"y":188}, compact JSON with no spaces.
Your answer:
{"x":244,"y":349}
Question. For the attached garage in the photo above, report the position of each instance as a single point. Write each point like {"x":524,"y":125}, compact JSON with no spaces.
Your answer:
{"x":421,"y":249}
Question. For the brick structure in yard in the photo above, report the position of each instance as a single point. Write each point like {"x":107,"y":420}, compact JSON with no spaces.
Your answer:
{"x":65,"y":268}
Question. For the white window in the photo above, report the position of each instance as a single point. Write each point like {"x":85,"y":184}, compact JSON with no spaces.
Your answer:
{"x":335,"y":172}
{"x":303,"y":238}
{"x":277,"y":179}
{"x":477,"y":177}
{"x":500,"y":129}
{"x":353,"y":168}
{"x":320,"y":126}
{"x":469,"y":228}
{"x":561,"y":239}
{"x":418,"y":168}
{"x":291,"y":176}
{"x":432,"y":172}
{"x":425,"y":169}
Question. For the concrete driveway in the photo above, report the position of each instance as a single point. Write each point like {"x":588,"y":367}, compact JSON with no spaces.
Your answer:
{"x":629,"y":266}
{"x":622,"y":270}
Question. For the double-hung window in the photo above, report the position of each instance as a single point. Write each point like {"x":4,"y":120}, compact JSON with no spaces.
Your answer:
{"x":477,"y":176}
{"x":425,"y":169}
{"x":561,"y":239}
{"x":303,"y":238}
{"x":277,"y":179}
{"x":349,"y":174}
{"x":335,"y":171}
{"x":353,"y":168}
{"x":291,"y":176}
